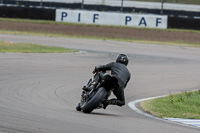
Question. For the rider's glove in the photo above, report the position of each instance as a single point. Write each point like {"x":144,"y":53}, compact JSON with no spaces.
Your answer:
{"x":95,"y":70}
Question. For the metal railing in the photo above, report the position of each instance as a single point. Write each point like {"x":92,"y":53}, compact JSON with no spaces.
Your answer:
{"x":158,"y":4}
{"x":197,"y":2}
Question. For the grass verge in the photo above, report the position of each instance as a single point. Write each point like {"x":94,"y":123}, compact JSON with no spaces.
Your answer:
{"x":30,"y":48}
{"x":169,"y":43}
{"x":92,"y":25}
{"x":184,"y":105}
{"x":135,"y":40}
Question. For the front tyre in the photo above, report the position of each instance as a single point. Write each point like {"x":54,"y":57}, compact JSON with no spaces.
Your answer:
{"x":94,"y":102}
{"x":78,"y":107}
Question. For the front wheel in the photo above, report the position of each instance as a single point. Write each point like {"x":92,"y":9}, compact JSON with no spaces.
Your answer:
{"x":78,"y":107}
{"x":94,"y":102}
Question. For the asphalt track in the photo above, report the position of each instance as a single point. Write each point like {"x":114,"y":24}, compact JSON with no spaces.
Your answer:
{"x":39,"y":92}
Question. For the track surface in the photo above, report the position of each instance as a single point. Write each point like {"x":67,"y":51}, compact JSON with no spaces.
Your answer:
{"x":39,"y":92}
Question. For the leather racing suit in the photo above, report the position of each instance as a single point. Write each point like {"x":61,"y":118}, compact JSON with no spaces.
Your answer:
{"x":122,"y":74}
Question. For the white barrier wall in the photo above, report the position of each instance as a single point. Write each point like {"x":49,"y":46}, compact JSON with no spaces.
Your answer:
{"x":110,"y":18}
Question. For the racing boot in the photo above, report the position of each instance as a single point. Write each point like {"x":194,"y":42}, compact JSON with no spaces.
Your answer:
{"x":109,"y":102}
{"x":105,"y":104}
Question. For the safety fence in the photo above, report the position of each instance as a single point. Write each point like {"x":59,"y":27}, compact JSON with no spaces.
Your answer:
{"x":158,"y":4}
{"x":194,"y":2}
{"x":187,"y":11}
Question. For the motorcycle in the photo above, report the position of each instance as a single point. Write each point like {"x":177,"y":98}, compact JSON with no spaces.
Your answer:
{"x":93,"y":99}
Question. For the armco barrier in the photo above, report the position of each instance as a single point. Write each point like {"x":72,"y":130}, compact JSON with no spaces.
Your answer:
{"x":49,"y":14}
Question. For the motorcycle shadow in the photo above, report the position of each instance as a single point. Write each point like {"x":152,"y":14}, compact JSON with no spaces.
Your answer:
{"x":104,"y":114}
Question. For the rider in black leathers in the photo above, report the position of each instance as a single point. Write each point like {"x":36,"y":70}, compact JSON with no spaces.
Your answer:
{"x":121,"y":73}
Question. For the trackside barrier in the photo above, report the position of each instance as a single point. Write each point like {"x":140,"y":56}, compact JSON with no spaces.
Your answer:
{"x":50,"y":14}
{"x":27,"y":12}
{"x":110,"y":18}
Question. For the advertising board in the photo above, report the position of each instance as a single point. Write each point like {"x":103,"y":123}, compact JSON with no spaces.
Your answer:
{"x":111,"y":18}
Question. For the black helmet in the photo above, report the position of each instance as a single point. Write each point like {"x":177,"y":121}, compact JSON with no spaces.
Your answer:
{"x":122,"y":58}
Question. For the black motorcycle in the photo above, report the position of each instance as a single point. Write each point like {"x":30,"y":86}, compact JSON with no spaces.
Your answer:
{"x":93,"y":99}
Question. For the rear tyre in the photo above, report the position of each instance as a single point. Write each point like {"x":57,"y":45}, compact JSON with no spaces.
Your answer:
{"x":94,"y":102}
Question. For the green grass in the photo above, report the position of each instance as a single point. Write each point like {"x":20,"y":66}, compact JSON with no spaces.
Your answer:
{"x":184,"y":105}
{"x":174,"y":1}
{"x":30,"y":48}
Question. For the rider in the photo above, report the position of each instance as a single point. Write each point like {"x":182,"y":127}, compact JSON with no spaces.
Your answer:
{"x":120,"y":72}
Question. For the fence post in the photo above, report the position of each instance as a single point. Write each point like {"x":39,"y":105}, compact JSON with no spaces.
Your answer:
{"x":122,"y":5}
{"x":162,"y":4}
{"x":82,"y":5}
{"x":41,"y":3}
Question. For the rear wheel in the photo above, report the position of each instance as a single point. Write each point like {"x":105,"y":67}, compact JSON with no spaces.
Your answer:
{"x":94,"y":102}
